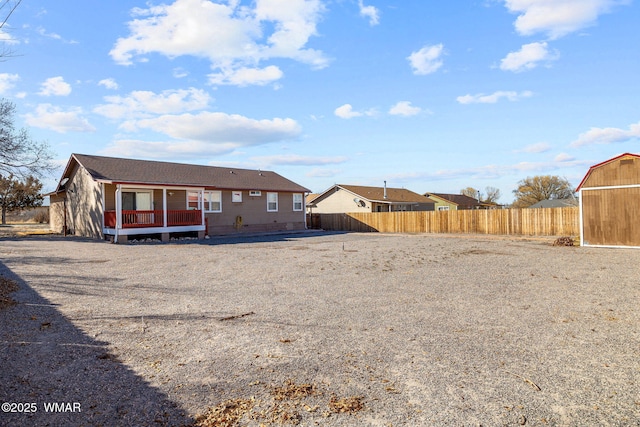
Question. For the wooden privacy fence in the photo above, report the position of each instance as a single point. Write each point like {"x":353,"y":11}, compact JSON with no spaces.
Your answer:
{"x":521,"y":222}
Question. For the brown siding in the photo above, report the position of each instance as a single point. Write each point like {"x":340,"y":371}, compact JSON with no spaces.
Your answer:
{"x":610,"y":217}
{"x":254,"y":215}
{"x":623,"y":171}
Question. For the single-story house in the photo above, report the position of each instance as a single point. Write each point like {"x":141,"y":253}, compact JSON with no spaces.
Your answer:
{"x":609,"y":197}
{"x":114,"y":198}
{"x":455,"y":202}
{"x":555,"y":203}
{"x":341,"y":198}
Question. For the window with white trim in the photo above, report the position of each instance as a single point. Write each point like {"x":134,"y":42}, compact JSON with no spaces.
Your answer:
{"x":297,"y":202}
{"x":272,"y":202}
{"x":443,"y":208}
{"x":212,"y":201}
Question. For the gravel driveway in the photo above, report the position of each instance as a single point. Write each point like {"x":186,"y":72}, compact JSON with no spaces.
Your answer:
{"x":320,"y":329}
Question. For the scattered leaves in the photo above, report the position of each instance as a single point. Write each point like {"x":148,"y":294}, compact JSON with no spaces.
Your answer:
{"x":7,"y":286}
{"x":226,"y":414}
{"x":346,"y":404}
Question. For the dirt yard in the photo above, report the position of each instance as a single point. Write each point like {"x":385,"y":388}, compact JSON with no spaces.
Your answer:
{"x":320,"y":329}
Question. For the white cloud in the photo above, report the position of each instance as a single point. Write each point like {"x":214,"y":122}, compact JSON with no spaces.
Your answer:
{"x":294,"y":159}
{"x":427,"y":60}
{"x":370,"y":12}
{"x":494,"y":171}
{"x":323,"y":173}
{"x":54,"y":118}
{"x":481,"y":98}
{"x":220,"y":128}
{"x":557,"y":18}
{"x":528,"y":57}
{"x":540,"y":147}
{"x":108,"y":83}
{"x":165,"y":149}
{"x":143,"y":103}
{"x":244,"y":76}
{"x":7,"y":81}
{"x":563,"y":157}
{"x":607,"y":135}
{"x":55,"y":86}
{"x":346,"y":112}
{"x":404,"y":108}
{"x":230,"y":35}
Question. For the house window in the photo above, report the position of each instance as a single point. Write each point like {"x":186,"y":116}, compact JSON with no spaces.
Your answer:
{"x":193,"y":201}
{"x":443,"y":208}
{"x":272,"y":202}
{"x":297,"y":202}
{"x":212,"y":201}
{"x":236,"y":196}
{"x":255,"y":193}
{"x":136,"y":201}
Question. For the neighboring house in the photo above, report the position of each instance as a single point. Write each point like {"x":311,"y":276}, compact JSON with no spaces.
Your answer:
{"x":356,"y":198}
{"x":114,"y":198}
{"x":555,"y":203}
{"x":609,"y":197}
{"x":453,"y":202}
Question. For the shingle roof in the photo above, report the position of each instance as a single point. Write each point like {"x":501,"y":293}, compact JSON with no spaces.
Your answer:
{"x":555,"y":203}
{"x":118,"y":170}
{"x":459,"y":199}
{"x":394,"y":195}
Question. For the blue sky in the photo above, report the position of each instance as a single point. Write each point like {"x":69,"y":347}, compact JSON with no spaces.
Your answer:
{"x":429,"y":96}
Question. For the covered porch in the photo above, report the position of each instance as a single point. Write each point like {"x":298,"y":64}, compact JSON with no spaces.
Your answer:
{"x":135,"y":210}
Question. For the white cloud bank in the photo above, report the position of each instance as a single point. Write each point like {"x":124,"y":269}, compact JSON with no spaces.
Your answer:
{"x":528,"y":57}
{"x":233,"y":37}
{"x":55,"y":86}
{"x":47,"y":116}
{"x":481,"y":98}
{"x":427,"y":60}
{"x":557,"y":18}
{"x":146,"y":103}
{"x":607,"y":135}
{"x":7,"y":82}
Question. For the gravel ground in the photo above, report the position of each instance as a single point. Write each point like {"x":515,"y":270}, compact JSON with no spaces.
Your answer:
{"x":321,"y":329}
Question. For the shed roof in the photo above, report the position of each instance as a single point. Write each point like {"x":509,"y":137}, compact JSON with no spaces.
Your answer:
{"x":606,"y":162}
{"x":130,"y":171}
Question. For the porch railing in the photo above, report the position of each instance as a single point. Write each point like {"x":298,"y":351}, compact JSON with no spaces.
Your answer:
{"x":140,"y":219}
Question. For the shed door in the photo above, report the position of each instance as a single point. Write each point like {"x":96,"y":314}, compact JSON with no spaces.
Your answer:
{"x":610,"y":217}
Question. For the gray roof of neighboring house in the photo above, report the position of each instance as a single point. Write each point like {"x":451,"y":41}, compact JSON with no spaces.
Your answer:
{"x":130,"y":171}
{"x":556,"y":203}
{"x":376,"y":194}
{"x":459,"y":199}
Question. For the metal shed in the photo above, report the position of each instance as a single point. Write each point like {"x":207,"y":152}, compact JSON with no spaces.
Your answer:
{"x":610,"y":203}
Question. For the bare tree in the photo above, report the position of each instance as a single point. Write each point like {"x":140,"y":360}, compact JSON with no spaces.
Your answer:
{"x":19,"y":155}
{"x":7,"y":7}
{"x":471,"y":192}
{"x":493,"y":194}
{"x":542,"y":187}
